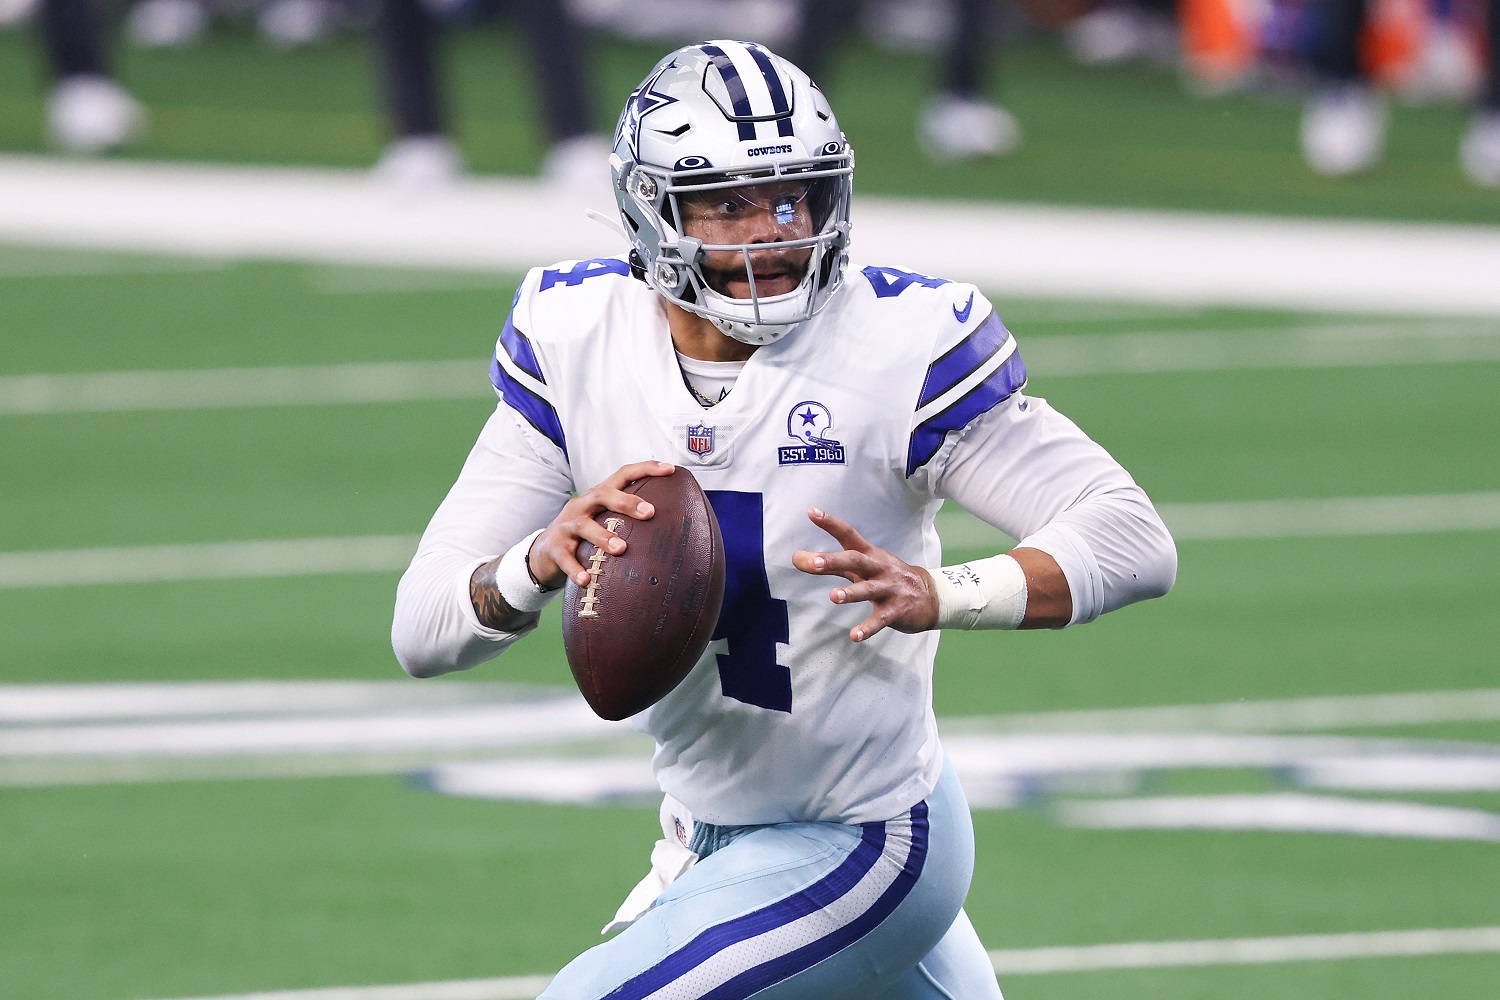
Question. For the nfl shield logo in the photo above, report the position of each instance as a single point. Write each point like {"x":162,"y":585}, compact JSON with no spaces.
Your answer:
{"x":700,"y":439}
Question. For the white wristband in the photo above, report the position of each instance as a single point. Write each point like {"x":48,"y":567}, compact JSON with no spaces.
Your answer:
{"x":514,"y":580}
{"x":986,"y":593}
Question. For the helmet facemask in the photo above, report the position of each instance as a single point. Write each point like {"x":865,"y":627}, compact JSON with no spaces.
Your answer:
{"x":754,"y":251}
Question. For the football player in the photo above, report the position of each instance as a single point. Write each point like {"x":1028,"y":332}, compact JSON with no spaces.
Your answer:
{"x":815,"y":840}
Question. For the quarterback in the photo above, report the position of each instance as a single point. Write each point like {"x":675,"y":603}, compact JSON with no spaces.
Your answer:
{"x":816,"y":843}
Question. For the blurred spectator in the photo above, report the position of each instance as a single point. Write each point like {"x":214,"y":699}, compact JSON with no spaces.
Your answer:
{"x":423,"y":154}
{"x":957,"y":122}
{"x":1344,"y":122}
{"x":87,"y":111}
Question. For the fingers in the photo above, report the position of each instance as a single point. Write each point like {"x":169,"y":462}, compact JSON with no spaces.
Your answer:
{"x":842,"y":531}
{"x":851,"y":566}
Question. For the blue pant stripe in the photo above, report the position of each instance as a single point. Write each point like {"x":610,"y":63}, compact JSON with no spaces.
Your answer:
{"x":714,"y":940}
{"x":788,"y":965}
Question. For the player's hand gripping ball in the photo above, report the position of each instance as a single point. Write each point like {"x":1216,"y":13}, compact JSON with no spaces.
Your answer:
{"x":646,"y":616}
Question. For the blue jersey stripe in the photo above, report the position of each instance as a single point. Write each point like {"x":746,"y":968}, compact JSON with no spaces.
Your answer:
{"x":928,"y":436}
{"x":518,"y":346}
{"x":738,"y":99}
{"x":788,"y":965}
{"x":714,"y":940}
{"x":964,"y":358}
{"x":537,"y":411}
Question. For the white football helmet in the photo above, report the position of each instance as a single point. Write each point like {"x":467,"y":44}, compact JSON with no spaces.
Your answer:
{"x":735,"y":121}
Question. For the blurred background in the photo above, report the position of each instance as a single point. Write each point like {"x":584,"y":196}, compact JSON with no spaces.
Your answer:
{"x":253,"y":260}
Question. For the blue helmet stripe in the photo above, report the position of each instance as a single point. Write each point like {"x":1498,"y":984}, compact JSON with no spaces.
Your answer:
{"x":710,"y":942}
{"x":1000,"y":386}
{"x":779,"y":102}
{"x":738,"y":98}
{"x":537,"y":411}
{"x":964,"y":359}
{"x":518,"y":346}
{"x":788,"y":965}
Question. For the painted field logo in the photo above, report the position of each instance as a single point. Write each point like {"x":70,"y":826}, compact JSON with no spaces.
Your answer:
{"x":700,"y":439}
{"x":809,"y":423}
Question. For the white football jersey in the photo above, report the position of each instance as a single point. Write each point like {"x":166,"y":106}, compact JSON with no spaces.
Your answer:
{"x":784,"y":718}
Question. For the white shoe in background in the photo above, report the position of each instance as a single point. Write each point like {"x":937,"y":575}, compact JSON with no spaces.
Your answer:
{"x":419,"y":163}
{"x":291,"y":24}
{"x":1343,"y":130}
{"x":580,"y":164}
{"x":90,"y":114}
{"x":959,"y":128}
{"x":1480,"y":151}
{"x":166,"y":24}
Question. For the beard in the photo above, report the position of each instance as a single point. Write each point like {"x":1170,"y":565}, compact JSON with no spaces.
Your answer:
{"x":777,"y":272}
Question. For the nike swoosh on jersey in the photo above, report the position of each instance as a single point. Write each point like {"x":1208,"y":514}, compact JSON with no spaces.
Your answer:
{"x":962,"y":315}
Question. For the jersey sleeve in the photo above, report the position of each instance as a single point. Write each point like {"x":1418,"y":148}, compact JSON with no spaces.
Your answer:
{"x":972,"y":369}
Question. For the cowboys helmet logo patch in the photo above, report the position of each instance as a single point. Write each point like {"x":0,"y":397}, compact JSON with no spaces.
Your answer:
{"x":700,"y":439}
{"x":809,"y":424}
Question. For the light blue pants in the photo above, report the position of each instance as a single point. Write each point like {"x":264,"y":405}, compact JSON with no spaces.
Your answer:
{"x":807,"y":911}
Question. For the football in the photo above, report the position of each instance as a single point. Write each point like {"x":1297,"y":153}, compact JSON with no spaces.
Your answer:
{"x":645,"y":617}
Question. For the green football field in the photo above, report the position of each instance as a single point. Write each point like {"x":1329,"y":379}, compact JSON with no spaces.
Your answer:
{"x":1334,"y":483}
{"x":126,"y":890}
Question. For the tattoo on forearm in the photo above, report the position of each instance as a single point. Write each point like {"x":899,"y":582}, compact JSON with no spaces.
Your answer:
{"x":493,"y":610}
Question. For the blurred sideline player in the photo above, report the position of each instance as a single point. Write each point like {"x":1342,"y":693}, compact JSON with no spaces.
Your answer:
{"x":87,"y":110}
{"x":1344,"y":122}
{"x":957,"y":122}
{"x":816,"y":843}
{"x":422,"y":154}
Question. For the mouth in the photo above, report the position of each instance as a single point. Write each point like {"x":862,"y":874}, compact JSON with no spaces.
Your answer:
{"x":771,"y":279}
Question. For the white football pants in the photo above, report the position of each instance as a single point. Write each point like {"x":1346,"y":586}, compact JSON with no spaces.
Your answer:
{"x":808,"y":911}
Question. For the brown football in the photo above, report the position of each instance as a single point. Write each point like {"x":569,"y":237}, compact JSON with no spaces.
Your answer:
{"x":647,"y":614}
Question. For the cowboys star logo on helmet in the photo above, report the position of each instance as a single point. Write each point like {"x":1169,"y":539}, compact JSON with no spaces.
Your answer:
{"x":719,"y":128}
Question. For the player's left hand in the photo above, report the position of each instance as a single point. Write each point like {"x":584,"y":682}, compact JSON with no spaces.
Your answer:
{"x":903,"y":595}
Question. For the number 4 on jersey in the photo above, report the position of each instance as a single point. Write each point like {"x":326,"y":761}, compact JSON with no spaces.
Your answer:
{"x":752,"y":620}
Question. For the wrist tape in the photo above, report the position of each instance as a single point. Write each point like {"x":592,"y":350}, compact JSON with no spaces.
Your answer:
{"x":985,"y":593}
{"x":514,"y":580}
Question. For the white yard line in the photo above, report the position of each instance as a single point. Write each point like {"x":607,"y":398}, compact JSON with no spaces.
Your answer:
{"x":1024,"y":961}
{"x":1058,"y":356}
{"x":1254,"y":519}
{"x":1281,"y":715}
{"x":225,"y":388}
{"x":206,"y":561}
{"x":341,"y":216}
{"x":1285,"y":812}
{"x":1248,"y":951}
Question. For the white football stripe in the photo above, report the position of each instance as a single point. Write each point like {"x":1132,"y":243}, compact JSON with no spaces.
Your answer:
{"x":511,"y":224}
{"x":206,"y":561}
{"x":1247,"y":951}
{"x":1047,"y":357}
{"x":231,"y":388}
{"x":1285,"y":812}
{"x":1024,"y":961}
{"x":40,"y":703}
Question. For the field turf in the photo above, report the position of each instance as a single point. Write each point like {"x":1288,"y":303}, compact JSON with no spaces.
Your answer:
{"x":196,"y":888}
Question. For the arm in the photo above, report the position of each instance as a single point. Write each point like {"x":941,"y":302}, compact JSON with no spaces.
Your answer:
{"x":1078,"y":514}
{"x":1090,"y":540}
{"x":448,"y":614}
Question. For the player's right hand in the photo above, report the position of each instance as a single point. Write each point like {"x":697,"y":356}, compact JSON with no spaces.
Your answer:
{"x":554,"y":554}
